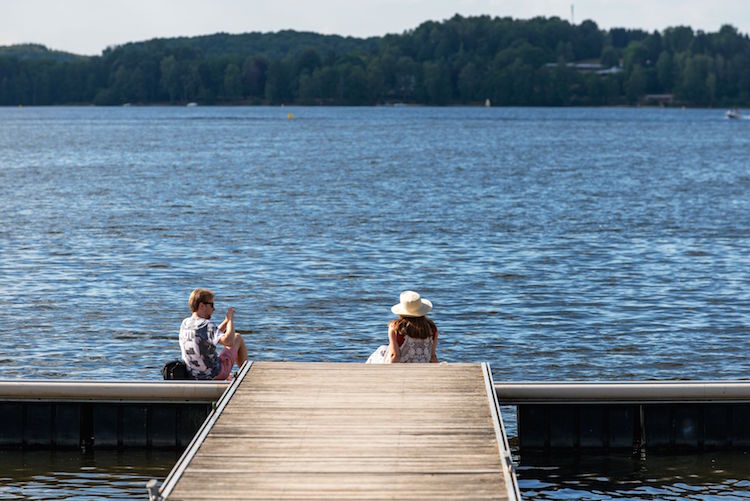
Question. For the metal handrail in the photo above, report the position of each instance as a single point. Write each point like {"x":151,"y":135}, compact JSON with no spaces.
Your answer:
{"x":112,"y":391}
{"x":508,"y":393}
{"x":622,"y":392}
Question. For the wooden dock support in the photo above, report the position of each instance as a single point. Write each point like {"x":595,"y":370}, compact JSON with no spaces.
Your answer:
{"x":350,"y":431}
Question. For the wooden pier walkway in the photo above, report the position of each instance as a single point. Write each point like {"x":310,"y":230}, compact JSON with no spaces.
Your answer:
{"x":350,"y":431}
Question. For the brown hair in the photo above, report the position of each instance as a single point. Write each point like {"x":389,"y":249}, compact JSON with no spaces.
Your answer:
{"x":416,"y":327}
{"x":199,"y":296}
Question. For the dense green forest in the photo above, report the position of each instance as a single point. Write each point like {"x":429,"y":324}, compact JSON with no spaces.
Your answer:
{"x":463,"y":60}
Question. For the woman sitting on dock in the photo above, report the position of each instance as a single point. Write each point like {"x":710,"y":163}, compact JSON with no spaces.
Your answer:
{"x":412,"y":337}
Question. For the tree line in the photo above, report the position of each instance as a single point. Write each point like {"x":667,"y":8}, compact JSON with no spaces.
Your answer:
{"x":462,"y":60}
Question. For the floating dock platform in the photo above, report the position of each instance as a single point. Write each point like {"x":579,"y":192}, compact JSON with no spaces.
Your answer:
{"x":104,"y":414}
{"x":367,"y":431}
{"x":631,"y":416}
{"x":350,"y":431}
{"x":624,"y":416}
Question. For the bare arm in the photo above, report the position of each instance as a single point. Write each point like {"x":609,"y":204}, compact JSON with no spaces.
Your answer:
{"x":433,"y":357}
{"x":393,"y":348}
{"x":227,"y":326}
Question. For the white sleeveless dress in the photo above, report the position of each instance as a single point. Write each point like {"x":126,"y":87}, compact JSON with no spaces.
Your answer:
{"x":413,"y":350}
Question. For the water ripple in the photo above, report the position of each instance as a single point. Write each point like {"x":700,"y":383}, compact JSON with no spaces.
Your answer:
{"x":554,"y":243}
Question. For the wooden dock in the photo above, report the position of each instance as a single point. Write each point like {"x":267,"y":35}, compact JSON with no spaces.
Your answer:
{"x":350,"y":431}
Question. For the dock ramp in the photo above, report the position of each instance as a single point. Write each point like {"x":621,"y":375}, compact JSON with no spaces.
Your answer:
{"x":350,"y":431}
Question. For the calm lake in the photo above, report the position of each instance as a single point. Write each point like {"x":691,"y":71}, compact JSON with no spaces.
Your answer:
{"x":556,"y":244}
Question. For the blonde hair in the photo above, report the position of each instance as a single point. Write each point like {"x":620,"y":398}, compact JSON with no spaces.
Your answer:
{"x":415,"y":327}
{"x":199,"y":296}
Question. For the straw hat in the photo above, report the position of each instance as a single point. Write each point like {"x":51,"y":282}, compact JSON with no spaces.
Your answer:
{"x":411,"y":305}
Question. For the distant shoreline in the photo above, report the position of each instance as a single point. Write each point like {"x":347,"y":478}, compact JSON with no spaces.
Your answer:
{"x":388,"y":105}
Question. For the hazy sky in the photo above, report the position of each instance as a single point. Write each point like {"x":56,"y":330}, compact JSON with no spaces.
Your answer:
{"x":88,"y":26}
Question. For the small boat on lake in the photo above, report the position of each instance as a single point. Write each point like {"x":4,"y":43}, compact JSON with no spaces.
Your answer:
{"x":734,"y":114}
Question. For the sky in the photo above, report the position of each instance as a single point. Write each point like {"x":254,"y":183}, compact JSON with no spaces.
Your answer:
{"x":89,"y":26}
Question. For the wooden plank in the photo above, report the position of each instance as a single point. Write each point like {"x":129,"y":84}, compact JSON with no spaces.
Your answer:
{"x":352,"y":431}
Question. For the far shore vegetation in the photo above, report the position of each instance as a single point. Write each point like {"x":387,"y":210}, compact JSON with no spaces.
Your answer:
{"x":463,"y":60}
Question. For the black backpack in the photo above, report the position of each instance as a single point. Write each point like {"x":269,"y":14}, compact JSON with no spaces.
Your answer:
{"x":176,"y":370}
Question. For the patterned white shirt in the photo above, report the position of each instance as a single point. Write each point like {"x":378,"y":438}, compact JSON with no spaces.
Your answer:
{"x":198,"y":340}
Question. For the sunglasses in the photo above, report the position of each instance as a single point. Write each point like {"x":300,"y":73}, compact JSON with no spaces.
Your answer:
{"x":211,"y":304}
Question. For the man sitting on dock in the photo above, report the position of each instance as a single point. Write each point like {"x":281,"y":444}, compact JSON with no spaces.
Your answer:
{"x":199,"y":337}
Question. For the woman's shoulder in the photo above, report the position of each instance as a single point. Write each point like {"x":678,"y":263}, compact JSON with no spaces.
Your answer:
{"x":393,"y":331}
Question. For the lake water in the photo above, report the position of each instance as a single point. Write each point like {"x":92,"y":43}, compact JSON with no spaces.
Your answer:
{"x":554,"y":243}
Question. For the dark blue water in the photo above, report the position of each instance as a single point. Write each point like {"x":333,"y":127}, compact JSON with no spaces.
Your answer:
{"x":697,"y":476}
{"x":72,"y":475}
{"x":554,"y":243}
